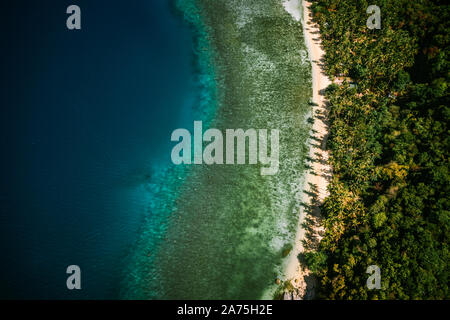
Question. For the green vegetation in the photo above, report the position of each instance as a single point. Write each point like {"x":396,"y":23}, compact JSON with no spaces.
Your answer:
{"x":389,"y":144}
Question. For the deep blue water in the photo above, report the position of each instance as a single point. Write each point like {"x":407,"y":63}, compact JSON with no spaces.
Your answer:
{"x":85,"y":117}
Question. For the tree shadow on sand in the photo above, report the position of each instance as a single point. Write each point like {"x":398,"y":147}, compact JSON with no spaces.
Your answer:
{"x":313,"y":221}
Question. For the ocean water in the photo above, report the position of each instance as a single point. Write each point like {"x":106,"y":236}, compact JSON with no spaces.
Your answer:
{"x":86,"y":122}
{"x":223,"y":231}
{"x":86,"y":118}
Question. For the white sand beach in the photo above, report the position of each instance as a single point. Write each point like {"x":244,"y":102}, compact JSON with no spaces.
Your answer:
{"x":304,"y":285}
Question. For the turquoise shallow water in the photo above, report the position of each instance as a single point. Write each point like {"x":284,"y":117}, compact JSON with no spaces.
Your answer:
{"x":219,"y":232}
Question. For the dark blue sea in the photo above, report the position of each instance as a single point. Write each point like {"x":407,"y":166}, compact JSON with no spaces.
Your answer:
{"x":86,"y":118}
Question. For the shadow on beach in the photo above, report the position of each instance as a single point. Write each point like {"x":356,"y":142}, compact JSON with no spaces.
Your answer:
{"x":318,"y":166}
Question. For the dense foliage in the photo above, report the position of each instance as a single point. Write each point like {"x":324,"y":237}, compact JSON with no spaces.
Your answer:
{"x":389,"y":145}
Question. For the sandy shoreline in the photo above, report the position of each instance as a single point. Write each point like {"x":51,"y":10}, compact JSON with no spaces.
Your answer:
{"x":314,"y":183}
